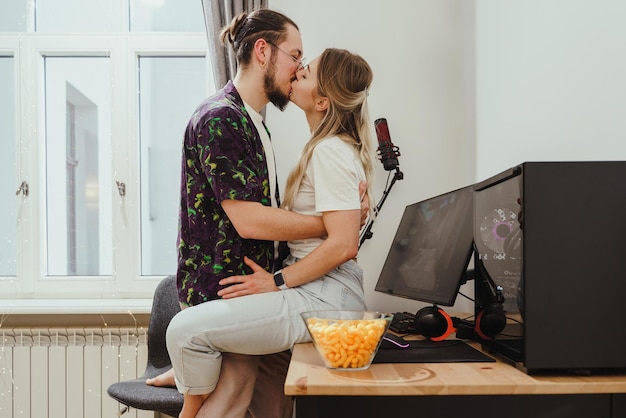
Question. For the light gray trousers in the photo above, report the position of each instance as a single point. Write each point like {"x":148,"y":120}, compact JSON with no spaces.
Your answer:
{"x":264,"y":323}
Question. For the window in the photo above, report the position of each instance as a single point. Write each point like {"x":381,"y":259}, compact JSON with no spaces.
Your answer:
{"x":94,"y":102}
{"x":77,"y":138}
{"x":8,"y":156}
{"x":168,"y":92}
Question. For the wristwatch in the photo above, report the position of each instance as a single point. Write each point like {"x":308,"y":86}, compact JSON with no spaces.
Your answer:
{"x":279,"y":280}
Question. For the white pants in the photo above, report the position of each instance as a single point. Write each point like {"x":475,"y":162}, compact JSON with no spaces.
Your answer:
{"x":258,"y":324}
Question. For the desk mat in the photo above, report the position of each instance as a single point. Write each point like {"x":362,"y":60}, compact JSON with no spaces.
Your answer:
{"x":425,"y":351}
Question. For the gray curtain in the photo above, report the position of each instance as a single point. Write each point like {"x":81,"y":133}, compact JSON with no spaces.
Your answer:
{"x":217,"y":14}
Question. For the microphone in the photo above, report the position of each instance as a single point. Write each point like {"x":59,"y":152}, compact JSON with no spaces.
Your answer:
{"x":387,"y":152}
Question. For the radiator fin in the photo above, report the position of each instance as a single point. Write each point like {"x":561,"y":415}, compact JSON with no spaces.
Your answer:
{"x":65,"y":372}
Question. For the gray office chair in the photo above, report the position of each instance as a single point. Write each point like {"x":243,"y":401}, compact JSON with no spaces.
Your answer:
{"x":135,"y":393}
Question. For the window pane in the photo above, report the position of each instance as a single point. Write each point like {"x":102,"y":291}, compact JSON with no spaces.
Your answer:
{"x":78,"y":166}
{"x":8,"y":181}
{"x":170,"y":89}
{"x":166,"y":16}
{"x":70,"y":16}
{"x":13,"y":16}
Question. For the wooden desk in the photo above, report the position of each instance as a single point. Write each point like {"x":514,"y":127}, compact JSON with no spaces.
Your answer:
{"x":481,"y":390}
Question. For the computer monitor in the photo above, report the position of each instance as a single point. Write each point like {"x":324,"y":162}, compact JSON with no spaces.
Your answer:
{"x":431,"y":250}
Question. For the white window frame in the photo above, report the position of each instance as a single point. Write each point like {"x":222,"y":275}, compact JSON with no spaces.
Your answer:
{"x":31,"y":291}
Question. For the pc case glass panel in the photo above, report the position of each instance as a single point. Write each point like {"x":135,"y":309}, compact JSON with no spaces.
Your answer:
{"x":498,"y":237}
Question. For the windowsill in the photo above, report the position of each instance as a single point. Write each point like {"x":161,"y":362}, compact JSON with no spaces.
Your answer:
{"x":74,"y":306}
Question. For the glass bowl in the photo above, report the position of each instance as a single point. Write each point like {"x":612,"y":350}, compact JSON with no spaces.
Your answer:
{"x":347,"y":340}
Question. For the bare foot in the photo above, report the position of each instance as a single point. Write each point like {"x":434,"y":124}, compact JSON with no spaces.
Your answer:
{"x":165,"y":379}
{"x":191,"y":405}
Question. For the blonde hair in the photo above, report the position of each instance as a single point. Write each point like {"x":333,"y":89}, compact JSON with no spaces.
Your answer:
{"x":344,"y":78}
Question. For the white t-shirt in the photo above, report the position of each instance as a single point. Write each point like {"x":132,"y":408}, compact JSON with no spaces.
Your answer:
{"x":331,"y":182}
{"x":257,"y":118}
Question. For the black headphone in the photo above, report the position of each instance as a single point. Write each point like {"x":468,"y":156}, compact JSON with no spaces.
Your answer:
{"x":434,"y":323}
{"x":490,"y":315}
{"x":490,"y":321}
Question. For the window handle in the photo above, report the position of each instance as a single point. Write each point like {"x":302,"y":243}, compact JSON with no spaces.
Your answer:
{"x":121,"y":188}
{"x":23,"y":188}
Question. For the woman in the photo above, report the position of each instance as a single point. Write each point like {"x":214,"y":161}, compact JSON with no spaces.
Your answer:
{"x":319,"y":273}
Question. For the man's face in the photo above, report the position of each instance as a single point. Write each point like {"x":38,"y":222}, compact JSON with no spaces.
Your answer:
{"x":282,"y":67}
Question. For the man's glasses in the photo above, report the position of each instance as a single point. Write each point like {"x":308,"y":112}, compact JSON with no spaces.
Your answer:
{"x":302,"y":62}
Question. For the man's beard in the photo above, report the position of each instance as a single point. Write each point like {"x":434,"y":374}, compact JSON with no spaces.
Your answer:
{"x":277,"y":97}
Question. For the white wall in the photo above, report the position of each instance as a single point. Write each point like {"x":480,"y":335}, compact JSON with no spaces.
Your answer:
{"x":470,"y":88}
{"x":551,"y":82}
{"x":421,"y":52}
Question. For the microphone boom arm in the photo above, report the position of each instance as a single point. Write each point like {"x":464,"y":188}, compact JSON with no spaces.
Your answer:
{"x":367,"y":232}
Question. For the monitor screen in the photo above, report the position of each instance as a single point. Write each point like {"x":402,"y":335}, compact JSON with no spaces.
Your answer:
{"x":432,"y":247}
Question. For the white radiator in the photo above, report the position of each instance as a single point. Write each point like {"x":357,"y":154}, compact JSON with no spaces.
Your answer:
{"x":65,"y":372}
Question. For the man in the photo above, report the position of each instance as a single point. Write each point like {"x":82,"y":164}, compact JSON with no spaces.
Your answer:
{"x":229,"y":200}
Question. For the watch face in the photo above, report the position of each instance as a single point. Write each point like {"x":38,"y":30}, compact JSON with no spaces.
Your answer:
{"x":278,"y":278}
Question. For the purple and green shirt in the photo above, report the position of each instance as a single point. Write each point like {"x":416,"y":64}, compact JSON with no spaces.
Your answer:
{"x":223,"y":158}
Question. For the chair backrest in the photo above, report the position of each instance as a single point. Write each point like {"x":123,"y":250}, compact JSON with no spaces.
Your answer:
{"x":164,"y":306}
{"x":136,"y":393}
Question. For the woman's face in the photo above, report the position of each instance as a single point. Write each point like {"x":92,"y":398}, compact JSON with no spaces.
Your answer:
{"x":304,"y":90}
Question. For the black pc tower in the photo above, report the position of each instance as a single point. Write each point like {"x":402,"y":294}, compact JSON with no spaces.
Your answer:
{"x":552,"y":237}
